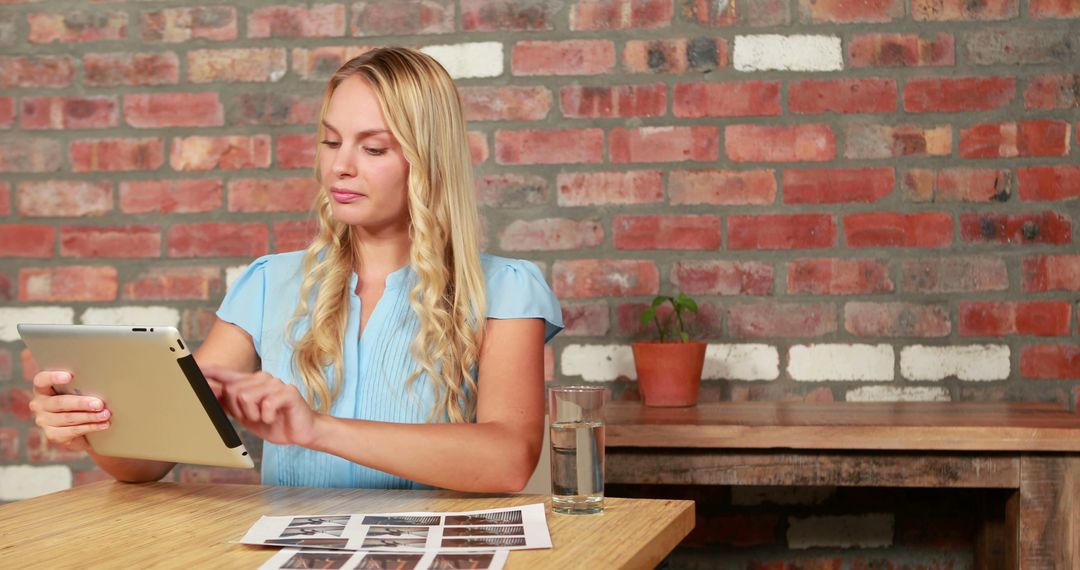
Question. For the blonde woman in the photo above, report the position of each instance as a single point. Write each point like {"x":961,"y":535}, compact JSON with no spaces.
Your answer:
{"x":390,"y":353}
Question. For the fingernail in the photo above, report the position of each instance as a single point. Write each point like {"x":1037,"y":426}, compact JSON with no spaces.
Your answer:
{"x":63,"y":376}
{"x":95,"y":404}
{"x":103,"y":415}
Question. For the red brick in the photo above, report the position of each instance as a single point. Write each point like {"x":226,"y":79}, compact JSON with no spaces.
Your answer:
{"x":171,"y":196}
{"x":551,"y":234}
{"x":678,"y":55}
{"x":901,"y":50}
{"x":896,"y":320}
{"x":707,"y":323}
{"x":321,"y":62}
{"x":957,"y":185}
{"x":320,"y":21}
{"x":666,"y":232}
{"x":723,"y":277}
{"x":588,"y":15}
{"x":116,"y":154}
{"x":1027,"y":138}
{"x":837,"y":185}
{"x":272,"y":195}
{"x":29,"y":367}
{"x":1036,"y":227}
{"x":273,"y":109}
{"x":730,"y":99}
{"x":958,"y":94}
{"x":848,"y":11}
{"x":215,"y":23}
{"x":15,"y":403}
{"x":225,"y":152}
{"x":1051,"y":361}
{"x":296,"y":151}
{"x":796,"y":143}
{"x":516,"y":15}
{"x":1015,"y":46}
{"x":619,"y":101}
{"x":40,"y":449}
{"x":890,"y":229}
{"x":562,"y":146}
{"x":403,"y":17}
{"x":567,"y":57}
{"x":478,"y":147}
{"x":65,"y":198}
{"x":68,"y":283}
{"x":110,"y":241}
{"x":76,"y":26}
{"x":7,"y":112}
{"x":781,"y":320}
{"x":195,"y":324}
{"x":27,"y":240}
{"x":1049,"y":183}
{"x":1060,"y":91}
{"x":604,"y":188}
{"x":872,"y":95}
{"x":157,"y":110}
{"x":665,"y":144}
{"x":954,"y":275}
{"x":1053,"y":9}
{"x":293,"y":235}
{"x":722,"y":187}
{"x":261,"y":65}
{"x":781,"y":231}
{"x":9,"y":443}
{"x":862,"y":141}
{"x":36,"y":71}
{"x":995,"y":318}
{"x":110,"y":69}
{"x":708,"y":13}
{"x":509,"y":103}
{"x":586,"y":319}
{"x":30,"y":154}
{"x":955,"y":10}
{"x":5,"y":198}
{"x":172,"y":283}
{"x":1051,"y":273}
{"x":68,"y":112}
{"x":585,"y":278}
{"x":218,"y":240}
{"x":838,"y":277}
{"x":511,"y":190}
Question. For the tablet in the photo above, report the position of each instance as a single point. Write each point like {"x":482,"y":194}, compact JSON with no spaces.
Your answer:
{"x":162,"y":407}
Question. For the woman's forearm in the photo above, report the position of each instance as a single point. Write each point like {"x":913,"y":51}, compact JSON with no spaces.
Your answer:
{"x":132,"y":470}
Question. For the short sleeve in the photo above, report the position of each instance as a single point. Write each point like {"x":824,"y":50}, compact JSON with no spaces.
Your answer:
{"x":516,"y":290}
{"x":245,"y":300}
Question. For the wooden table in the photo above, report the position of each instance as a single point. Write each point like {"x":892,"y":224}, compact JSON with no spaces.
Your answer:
{"x":165,"y":525}
{"x":1031,"y":449}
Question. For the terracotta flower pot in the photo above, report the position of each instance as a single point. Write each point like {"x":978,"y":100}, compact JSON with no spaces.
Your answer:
{"x":669,"y":373}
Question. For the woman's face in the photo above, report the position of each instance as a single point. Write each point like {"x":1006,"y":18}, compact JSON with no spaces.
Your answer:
{"x":361,"y":164}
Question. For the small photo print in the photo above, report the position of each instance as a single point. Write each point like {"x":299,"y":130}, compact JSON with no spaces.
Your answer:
{"x":323,"y":542}
{"x":484,"y":531}
{"x":462,"y":561}
{"x":390,"y":562}
{"x":393,"y":542}
{"x":317,"y":521}
{"x":505,"y":517}
{"x":327,"y":560}
{"x":318,"y":531}
{"x":397,"y":531}
{"x":483,"y":542}
{"x":400,"y":521}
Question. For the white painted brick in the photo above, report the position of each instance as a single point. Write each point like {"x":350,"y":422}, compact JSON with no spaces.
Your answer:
{"x":28,"y":481}
{"x":741,"y":362}
{"x":748,"y":496}
{"x":894,"y":394}
{"x":598,"y":363}
{"x":789,"y":53}
{"x":847,"y":362}
{"x":850,"y":531}
{"x":150,"y":316}
{"x":478,"y":59}
{"x":232,"y":274}
{"x":985,"y":362}
{"x":12,"y":316}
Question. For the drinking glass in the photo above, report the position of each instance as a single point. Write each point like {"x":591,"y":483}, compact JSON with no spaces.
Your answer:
{"x":577,"y":449}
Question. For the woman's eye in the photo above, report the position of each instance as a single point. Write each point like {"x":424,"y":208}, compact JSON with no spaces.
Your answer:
{"x":330,"y":144}
{"x":375,"y":151}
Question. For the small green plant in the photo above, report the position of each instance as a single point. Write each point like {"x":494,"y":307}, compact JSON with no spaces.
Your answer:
{"x":680,"y":303}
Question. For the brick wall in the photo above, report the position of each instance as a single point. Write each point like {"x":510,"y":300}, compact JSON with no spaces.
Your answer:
{"x":872,"y":200}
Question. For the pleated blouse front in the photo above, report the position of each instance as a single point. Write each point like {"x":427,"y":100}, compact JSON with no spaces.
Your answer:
{"x":377,"y":362}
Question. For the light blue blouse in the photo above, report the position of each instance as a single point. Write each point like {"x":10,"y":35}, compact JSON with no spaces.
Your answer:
{"x":262,"y":300}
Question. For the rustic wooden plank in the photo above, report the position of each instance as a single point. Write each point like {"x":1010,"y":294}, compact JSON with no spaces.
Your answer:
{"x":1049,"y":523}
{"x":694,"y":467}
{"x":990,"y":539}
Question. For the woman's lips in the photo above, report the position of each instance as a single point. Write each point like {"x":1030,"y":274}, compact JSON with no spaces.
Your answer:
{"x":343,"y":197}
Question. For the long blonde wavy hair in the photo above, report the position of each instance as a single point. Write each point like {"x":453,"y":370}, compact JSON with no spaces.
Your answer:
{"x":423,"y":111}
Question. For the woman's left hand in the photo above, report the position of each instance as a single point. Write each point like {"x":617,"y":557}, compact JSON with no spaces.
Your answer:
{"x":265,"y":406}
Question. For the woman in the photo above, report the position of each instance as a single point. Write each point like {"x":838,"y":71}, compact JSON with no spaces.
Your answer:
{"x":390,"y":353}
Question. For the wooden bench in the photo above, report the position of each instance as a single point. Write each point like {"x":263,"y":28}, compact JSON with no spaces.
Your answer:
{"x":1032,"y":449}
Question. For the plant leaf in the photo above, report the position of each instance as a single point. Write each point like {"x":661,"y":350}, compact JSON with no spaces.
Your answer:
{"x":647,"y":315}
{"x":685,"y":337}
{"x":659,"y":300}
{"x":688,"y":303}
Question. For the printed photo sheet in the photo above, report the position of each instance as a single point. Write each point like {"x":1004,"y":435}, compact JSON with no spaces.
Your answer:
{"x":514,"y":528}
{"x":345,"y":560}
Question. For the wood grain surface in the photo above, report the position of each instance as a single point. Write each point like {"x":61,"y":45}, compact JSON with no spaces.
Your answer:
{"x":166,"y":525}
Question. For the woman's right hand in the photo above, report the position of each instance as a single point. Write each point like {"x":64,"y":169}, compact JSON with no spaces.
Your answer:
{"x":65,"y":419}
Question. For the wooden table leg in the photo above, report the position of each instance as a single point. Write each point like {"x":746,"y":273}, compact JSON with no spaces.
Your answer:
{"x":1048,"y":512}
